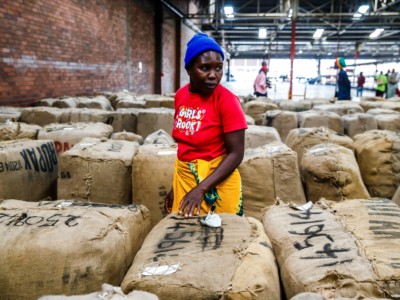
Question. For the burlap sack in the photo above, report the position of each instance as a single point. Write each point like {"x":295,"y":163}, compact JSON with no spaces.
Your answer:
{"x":67,"y":135}
{"x":130,"y":102}
{"x":65,"y":247}
{"x":8,"y":113}
{"x":127,"y":136}
{"x":152,"y":174}
{"x":367,"y":105}
{"x":319,"y":101}
{"x":340,"y":108}
{"x":28,"y":170}
{"x":295,"y":106}
{"x":378,"y":156}
{"x":315,"y":118}
{"x":316,"y":254}
{"x":375,"y":224}
{"x":97,"y":171}
{"x":372,"y":98}
{"x":159,"y":101}
{"x":316,"y":296}
{"x":256,"y":136}
{"x":250,"y":120}
{"x":382,"y":111}
{"x":257,"y":108}
{"x":124,"y":120}
{"x":152,"y":119}
{"x":234,"y":261}
{"x":115,"y":98}
{"x":267,"y":173}
{"x":396,"y":196}
{"x":302,"y":139}
{"x":108,"y":292}
{"x":41,"y":116}
{"x":331,"y":171}
{"x":388,"y":122}
{"x":46,"y":102}
{"x":86,"y":115}
{"x":17,"y":130}
{"x":99,"y":102}
{"x":282,"y":121}
{"x":391,"y":105}
{"x":159,"y":137}
{"x":358,"y":123}
{"x":69,"y":102}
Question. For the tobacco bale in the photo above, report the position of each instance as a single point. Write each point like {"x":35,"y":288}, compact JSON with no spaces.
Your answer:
{"x":8,"y":113}
{"x":316,"y":254}
{"x":378,"y":156}
{"x":388,"y":122}
{"x":340,"y":108}
{"x":99,"y":102}
{"x":234,"y":261}
{"x":367,"y":105}
{"x":67,"y":247}
{"x":257,"y":108}
{"x":266,"y":174}
{"x":158,"y":101}
{"x":97,"y":171}
{"x":382,"y":111}
{"x":18,"y":130}
{"x":295,"y":106}
{"x":124,"y":120}
{"x":86,"y":115}
{"x":67,"y":135}
{"x":249,"y":120}
{"x":69,"y":102}
{"x":301,"y":139}
{"x":152,"y":119}
{"x":28,"y":170}
{"x":256,"y":136}
{"x":375,"y":225}
{"x":282,"y":121}
{"x":331,"y":171}
{"x":41,"y":116}
{"x":159,"y":137}
{"x":315,"y":118}
{"x":358,"y":123}
{"x":152,"y":174}
{"x":127,"y":136}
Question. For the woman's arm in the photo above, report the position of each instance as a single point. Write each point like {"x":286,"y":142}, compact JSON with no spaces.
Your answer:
{"x":234,"y":143}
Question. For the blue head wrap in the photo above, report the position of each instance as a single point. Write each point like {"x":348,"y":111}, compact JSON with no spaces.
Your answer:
{"x":200,"y":43}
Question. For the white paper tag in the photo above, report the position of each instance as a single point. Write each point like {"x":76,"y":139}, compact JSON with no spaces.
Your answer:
{"x":160,"y":270}
{"x":304,"y":207}
{"x":212,"y":220}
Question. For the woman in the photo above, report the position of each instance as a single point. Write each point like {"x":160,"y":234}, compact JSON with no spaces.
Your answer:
{"x":209,"y":127}
{"x":260,"y":83}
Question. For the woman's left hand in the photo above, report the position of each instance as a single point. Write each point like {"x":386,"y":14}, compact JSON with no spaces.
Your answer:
{"x":191,"y":203}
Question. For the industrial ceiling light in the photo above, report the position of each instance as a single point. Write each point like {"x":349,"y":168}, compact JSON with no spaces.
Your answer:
{"x":262,"y":33}
{"x":377,"y":32}
{"x":363,"y":9}
{"x":228,"y":10}
{"x":318,"y":33}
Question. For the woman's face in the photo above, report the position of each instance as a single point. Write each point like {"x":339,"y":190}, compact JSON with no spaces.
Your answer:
{"x":206,"y":72}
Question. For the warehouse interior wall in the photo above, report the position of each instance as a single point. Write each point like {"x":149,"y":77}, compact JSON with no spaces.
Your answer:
{"x":52,"y":48}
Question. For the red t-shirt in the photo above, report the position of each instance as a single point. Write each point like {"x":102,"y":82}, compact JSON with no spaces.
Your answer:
{"x":200,"y":122}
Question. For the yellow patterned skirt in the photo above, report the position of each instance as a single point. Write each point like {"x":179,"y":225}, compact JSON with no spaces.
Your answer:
{"x":224,"y":198}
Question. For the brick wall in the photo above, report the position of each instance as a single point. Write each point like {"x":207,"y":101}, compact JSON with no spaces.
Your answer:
{"x":51,"y":48}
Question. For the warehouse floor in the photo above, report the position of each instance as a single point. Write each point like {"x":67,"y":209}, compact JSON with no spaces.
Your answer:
{"x":280,"y":90}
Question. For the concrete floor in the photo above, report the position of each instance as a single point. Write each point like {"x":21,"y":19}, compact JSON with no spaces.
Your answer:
{"x":280,"y":90}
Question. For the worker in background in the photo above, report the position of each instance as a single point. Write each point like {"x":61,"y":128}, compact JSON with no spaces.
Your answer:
{"x":360,"y":84}
{"x":392,"y":84}
{"x":343,"y":82}
{"x":381,"y":81}
{"x":260,"y":83}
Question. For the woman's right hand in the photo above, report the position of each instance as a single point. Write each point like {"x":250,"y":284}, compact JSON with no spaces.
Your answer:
{"x":168,"y":201}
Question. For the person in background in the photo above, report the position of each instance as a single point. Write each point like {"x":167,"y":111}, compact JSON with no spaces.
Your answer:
{"x":260,"y":83}
{"x":209,"y":128}
{"x":387,"y":83}
{"x":392,"y":84}
{"x":381,"y":81}
{"x":360,"y":84}
{"x":343,"y":81}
